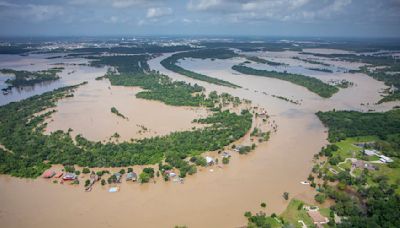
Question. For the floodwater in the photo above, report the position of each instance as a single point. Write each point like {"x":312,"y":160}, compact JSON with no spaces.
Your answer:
{"x":207,"y":199}
{"x":74,"y":73}
{"x":89,"y":113}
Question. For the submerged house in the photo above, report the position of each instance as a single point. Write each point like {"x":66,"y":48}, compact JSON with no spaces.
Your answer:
{"x":131,"y":176}
{"x":210,"y":160}
{"x":117,"y":177}
{"x":58,"y":175}
{"x":48,"y":174}
{"x":226,"y":155}
{"x":69,"y":176}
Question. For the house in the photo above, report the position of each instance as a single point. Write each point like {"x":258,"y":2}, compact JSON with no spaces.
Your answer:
{"x":370,"y":152}
{"x":117,"y":177}
{"x":237,"y":148}
{"x":48,"y":174}
{"x":210,"y":160}
{"x":363,"y":165}
{"x":69,"y":176}
{"x":317,"y":218}
{"x":131,"y":176}
{"x":226,"y":155}
{"x":385,"y":159}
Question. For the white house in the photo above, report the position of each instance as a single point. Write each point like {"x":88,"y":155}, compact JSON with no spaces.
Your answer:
{"x":209,"y":160}
{"x":370,"y":152}
{"x":385,"y":159}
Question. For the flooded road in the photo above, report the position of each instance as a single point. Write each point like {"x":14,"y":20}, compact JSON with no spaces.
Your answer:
{"x":207,"y":199}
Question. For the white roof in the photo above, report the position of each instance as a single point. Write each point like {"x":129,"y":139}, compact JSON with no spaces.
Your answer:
{"x":370,"y":152}
{"x":209,"y":159}
{"x":386,"y":159}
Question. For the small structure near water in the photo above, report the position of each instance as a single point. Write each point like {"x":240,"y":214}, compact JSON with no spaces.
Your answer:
{"x":69,"y":176}
{"x":48,"y":174}
{"x":131,"y":176}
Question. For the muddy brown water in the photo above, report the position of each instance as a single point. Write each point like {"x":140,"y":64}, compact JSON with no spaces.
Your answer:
{"x":207,"y":199}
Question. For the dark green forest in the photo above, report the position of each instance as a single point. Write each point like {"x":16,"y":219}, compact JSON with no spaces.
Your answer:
{"x":312,"y":84}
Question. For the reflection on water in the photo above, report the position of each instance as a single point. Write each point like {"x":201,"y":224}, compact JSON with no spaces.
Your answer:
{"x":72,"y":74}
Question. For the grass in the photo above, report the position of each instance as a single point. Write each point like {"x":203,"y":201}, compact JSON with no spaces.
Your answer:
{"x":293,"y":215}
{"x":346,"y":149}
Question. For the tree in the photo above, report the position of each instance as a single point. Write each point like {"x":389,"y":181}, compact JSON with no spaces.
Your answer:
{"x":320,"y":198}
{"x":247,"y":214}
{"x":286,"y":195}
{"x":225,"y":160}
{"x":149,"y":171}
{"x":87,"y":182}
{"x":122,"y":171}
{"x":263,"y":205}
{"x":130,"y":170}
{"x":144,"y":177}
{"x":103,"y":182}
{"x":85,"y":170}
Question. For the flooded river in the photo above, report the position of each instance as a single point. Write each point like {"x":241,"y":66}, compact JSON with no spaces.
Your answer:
{"x":207,"y":199}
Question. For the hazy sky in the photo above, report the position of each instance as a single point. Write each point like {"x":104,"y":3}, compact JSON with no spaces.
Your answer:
{"x":365,"y":18}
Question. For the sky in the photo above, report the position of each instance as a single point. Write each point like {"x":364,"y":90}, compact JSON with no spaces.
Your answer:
{"x":314,"y":18}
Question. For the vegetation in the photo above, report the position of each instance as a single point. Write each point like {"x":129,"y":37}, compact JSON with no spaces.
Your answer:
{"x":364,"y":197}
{"x":27,"y":78}
{"x":312,"y":84}
{"x":21,"y":132}
{"x":264,"y":61}
{"x":341,"y":83}
{"x":343,"y":124}
{"x":326,"y":70}
{"x":311,"y":61}
{"x":170,"y":63}
{"x":285,"y":195}
{"x":116,"y":112}
{"x":123,"y":64}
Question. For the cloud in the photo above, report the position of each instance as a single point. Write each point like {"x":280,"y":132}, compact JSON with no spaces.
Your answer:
{"x":32,"y":12}
{"x":280,"y":10}
{"x":158,"y":12}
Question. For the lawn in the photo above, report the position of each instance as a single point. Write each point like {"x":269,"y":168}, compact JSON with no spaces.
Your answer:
{"x":293,"y":215}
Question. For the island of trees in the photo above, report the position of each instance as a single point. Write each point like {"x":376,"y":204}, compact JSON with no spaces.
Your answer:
{"x":312,"y":84}
{"x":170,"y":63}
{"x":27,"y":78}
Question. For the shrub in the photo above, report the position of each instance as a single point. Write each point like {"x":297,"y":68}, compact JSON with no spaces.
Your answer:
{"x":85,"y":170}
